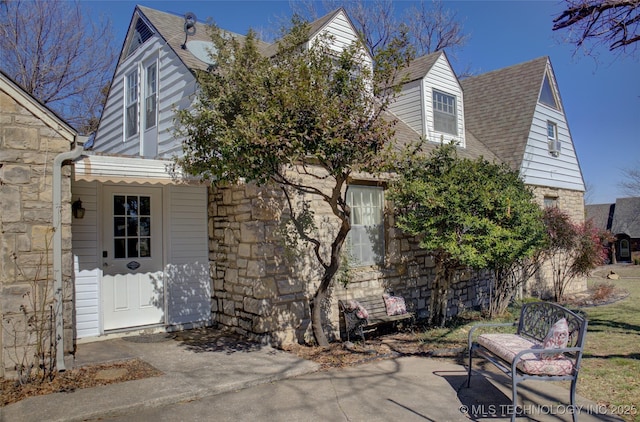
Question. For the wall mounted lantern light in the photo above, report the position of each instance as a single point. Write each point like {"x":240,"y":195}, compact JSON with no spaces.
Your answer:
{"x":76,"y":208}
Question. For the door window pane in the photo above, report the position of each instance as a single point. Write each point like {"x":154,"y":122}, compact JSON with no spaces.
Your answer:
{"x":132,"y":226}
{"x":119,"y":250}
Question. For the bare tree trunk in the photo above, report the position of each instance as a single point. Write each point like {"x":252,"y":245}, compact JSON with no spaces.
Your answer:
{"x":438,"y":303}
{"x":320,"y":297}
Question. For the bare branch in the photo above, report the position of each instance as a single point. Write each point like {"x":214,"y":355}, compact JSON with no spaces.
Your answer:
{"x":631,"y":183}
{"x":57,"y":55}
{"x":614,"y":23}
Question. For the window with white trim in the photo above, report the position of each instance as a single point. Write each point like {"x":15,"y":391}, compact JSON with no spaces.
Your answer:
{"x":445,"y":117}
{"x":552,"y":130}
{"x":366,"y":238}
{"x":150,"y":106}
{"x":131,"y":104}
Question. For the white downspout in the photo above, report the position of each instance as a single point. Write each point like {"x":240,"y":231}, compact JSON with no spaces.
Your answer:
{"x":57,"y":245}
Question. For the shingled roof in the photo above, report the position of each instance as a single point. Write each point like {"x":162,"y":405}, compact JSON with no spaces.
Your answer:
{"x":171,"y":28}
{"x":418,"y":68}
{"x":601,"y":215}
{"x":499,"y":107}
{"x":626,"y":218}
{"x":405,"y":135}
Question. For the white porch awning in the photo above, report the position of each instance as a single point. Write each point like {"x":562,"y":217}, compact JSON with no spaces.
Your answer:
{"x":119,"y":169}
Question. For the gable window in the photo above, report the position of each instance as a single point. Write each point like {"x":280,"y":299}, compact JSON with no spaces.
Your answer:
{"x":151,"y":76}
{"x":140,"y":35}
{"x":131,"y":104}
{"x":547,"y":94}
{"x":444,"y":113}
{"x":366,"y":238}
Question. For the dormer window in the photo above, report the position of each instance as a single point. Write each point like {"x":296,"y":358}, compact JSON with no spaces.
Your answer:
{"x":445,"y":117}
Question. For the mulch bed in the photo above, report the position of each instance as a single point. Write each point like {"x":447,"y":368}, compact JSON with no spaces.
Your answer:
{"x":74,"y":379}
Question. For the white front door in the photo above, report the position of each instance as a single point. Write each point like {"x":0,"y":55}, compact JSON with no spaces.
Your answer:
{"x":132,"y":282}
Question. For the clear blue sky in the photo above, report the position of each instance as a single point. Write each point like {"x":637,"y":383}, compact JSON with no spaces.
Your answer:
{"x":601,"y":99}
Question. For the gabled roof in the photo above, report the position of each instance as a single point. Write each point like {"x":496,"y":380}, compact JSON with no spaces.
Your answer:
{"x":171,"y":28}
{"x":418,"y":68}
{"x":601,"y":215}
{"x":35,"y":106}
{"x":499,"y":107}
{"x":626,"y":218}
{"x":314,"y":28}
{"x":405,"y":135}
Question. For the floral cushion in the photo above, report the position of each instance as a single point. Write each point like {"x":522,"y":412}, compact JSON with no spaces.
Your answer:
{"x":360,"y":311}
{"x":557,"y":338}
{"x":395,"y":305}
{"x":507,"y":346}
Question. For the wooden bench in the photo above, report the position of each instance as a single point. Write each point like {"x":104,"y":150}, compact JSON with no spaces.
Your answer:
{"x":377,"y":310}
{"x":518,"y":355}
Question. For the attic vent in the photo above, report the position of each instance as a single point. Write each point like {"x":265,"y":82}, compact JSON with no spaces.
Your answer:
{"x":141,"y":34}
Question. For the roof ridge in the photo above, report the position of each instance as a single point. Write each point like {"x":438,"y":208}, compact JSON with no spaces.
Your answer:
{"x":510,"y":67}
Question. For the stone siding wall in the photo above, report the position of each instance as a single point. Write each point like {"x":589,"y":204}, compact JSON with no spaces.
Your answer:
{"x":27,"y":150}
{"x":262,"y":288}
{"x":571,"y":202}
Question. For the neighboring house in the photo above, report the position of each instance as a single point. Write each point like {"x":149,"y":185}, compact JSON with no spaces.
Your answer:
{"x":35,"y":224}
{"x":154,"y":251}
{"x":622,"y":219}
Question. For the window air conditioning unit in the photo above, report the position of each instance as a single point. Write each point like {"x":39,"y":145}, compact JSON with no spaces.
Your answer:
{"x":555,"y":147}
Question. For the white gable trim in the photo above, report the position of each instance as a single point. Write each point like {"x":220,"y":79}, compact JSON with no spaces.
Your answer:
{"x":40,"y":111}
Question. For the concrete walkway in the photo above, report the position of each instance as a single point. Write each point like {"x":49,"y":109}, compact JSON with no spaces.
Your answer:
{"x":238,"y":380}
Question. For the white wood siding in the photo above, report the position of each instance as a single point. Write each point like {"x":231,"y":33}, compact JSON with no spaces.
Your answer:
{"x":539,"y":167}
{"x":187,"y":271}
{"x":344,"y":35}
{"x":408,"y":106}
{"x":442,"y":78}
{"x":176,"y":86}
{"x":86,"y":262}
{"x":341,"y":29}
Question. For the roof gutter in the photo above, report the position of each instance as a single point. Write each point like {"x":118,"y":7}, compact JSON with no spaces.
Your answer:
{"x":58,"y":162}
